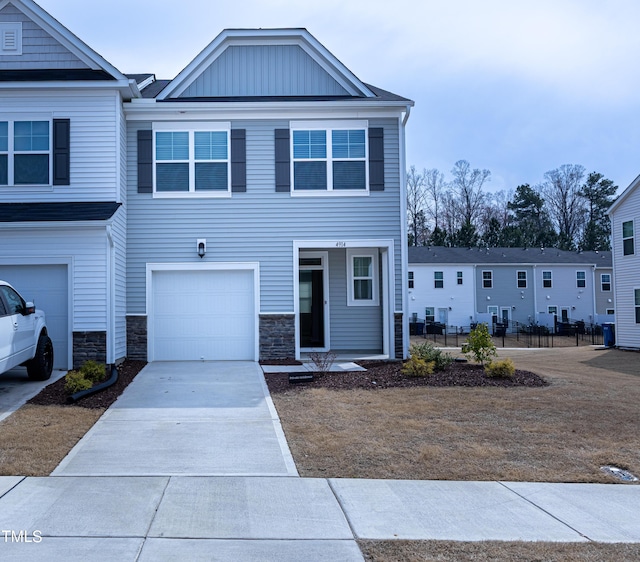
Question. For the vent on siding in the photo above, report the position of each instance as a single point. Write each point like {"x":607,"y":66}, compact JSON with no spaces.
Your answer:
{"x":11,"y":38}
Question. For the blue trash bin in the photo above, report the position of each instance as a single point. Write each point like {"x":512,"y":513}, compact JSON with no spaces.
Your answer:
{"x":609,"y":334}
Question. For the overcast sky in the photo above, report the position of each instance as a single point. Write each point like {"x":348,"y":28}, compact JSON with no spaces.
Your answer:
{"x":516,"y":87}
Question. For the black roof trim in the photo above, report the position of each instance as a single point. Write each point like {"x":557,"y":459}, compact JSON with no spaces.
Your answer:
{"x":58,"y":212}
{"x":67,"y":74}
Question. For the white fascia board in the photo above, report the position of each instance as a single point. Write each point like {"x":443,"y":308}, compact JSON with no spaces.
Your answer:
{"x":141,"y":110}
{"x":39,"y":225}
{"x":126,"y":87}
{"x":61,"y":34}
{"x":632,"y":186}
{"x":234,"y":37}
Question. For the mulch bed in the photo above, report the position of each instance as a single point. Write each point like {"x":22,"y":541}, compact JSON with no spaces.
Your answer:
{"x":55,"y":394}
{"x":386,"y":374}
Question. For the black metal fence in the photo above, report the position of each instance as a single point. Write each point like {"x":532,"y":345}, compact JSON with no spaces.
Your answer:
{"x":513,"y":334}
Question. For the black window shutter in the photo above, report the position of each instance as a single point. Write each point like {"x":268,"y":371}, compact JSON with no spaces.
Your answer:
{"x":238,"y":160}
{"x":61,"y":151}
{"x":283,"y":160}
{"x":376,"y":159}
{"x":145,"y":161}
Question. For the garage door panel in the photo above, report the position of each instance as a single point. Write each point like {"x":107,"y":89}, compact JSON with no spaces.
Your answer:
{"x":48,"y":287}
{"x":207,"y":314}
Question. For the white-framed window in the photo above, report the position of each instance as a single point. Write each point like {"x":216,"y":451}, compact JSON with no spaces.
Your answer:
{"x":636,"y":298}
{"x":191,"y":159}
{"x":627,"y":238}
{"x":329,"y":157}
{"x":362,"y":273}
{"x":552,"y":310}
{"x":438,"y":279}
{"x":581,"y":279}
{"x":25,"y":152}
{"x":521,"y":279}
{"x":610,"y":311}
{"x":547,"y":281}
{"x":459,"y":277}
{"x":605,"y":282}
{"x":411,"y":279}
{"x":487,"y":279}
{"x":493,"y":310}
{"x":430,"y":314}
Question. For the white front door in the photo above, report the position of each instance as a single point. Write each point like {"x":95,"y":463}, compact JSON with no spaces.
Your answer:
{"x":505,"y":316}
{"x":443,"y":316}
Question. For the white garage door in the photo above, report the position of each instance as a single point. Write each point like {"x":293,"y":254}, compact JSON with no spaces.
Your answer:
{"x":48,"y":287}
{"x":203,"y":315}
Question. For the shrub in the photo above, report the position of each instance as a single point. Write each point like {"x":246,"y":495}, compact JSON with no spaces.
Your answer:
{"x":75,"y":381}
{"x":430,"y":354}
{"x":322,"y":361}
{"x":417,"y":367}
{"x":479,"y":345}
{"x":93,"y":371}
{"x":504,"y":368}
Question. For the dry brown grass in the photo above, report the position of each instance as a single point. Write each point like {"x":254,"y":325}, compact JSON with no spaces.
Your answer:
{"x":34,"y":439}
{"x":490,"y":551}
{"x":587,"y":417}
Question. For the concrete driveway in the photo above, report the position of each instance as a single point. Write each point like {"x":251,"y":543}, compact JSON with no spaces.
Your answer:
{"x":16,"y":388}
{"x":187,"y":419}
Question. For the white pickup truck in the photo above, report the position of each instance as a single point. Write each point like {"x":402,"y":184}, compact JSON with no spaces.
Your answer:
{"x":23,"y":335}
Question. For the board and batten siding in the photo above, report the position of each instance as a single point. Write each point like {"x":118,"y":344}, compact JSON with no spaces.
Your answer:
{"x":264,"y":70}
{"x":95,"y":119}
{"x":39,"y":49}
{"x":259,"y":225}
{"x":87,"y":269}
{"x":626,"y":271}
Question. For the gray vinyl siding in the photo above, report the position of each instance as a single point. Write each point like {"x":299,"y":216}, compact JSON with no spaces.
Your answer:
{"x":505,"y":292}
{"x":354,"y":328}
{"x":94,"y":118}
{"x":627,"y":270}
{"x":39,"y":49}
{"x":603,"y":297}
{"x":259,"y":225}
{"x":264,"y":70}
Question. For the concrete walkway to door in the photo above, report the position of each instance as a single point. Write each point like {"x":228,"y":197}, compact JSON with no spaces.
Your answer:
{"x":187,"y":419}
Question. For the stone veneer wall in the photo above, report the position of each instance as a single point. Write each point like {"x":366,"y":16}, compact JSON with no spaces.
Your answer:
{"x":89,"y":345}
{"x":137,"y":337}
{"x":277,"y":336}
{"x":399,"y":343}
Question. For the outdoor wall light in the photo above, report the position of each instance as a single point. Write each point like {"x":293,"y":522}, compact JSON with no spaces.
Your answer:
{"x":450,"y":308}
{"x":513,"y":308}
{"x":488,"y":298}
{"x":573,"y":308}
{"x":201,"y":245}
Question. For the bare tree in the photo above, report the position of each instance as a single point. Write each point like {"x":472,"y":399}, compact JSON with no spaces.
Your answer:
{"x":565,"y":203}
{"x":416,"y":198}
{"x":467,"y":188}
{"x":435,"y":187}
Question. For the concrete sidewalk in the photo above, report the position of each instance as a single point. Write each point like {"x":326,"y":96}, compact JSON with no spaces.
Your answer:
{"x":191,"y":464}
{"x":291,"y":519}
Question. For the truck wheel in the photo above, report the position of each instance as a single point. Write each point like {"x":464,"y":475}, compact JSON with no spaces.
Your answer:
{"x":40,"y":367}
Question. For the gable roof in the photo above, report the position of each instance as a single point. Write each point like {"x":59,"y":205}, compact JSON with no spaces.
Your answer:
{"x":506,"y":256}
{"x":630,"y":189}
{"x":300,"y":46}
{"x":96,"y":69}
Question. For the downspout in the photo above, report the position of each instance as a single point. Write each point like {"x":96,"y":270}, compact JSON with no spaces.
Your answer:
{"x":110,"y":297}
{"x":97,"y":388}
{"x":403,"y":243}
{"x":535,"y":295}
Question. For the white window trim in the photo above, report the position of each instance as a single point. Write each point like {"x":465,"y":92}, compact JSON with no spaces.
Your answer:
{"x":549,"y":307}
{"x":191,"y":128}
{"x":526,"y":281}
{"x":411,"y":279}
{"x":610,"y":311}
{"x":435,"y":280}
{"x":632,"y":237}
{"x":362,"y":253}
{"x":459,"y":278}
{"x":11,"y":152}
{"x":329,"y":126}
{"x":602,"y":282}
{"x":433,"y":309}
{"x":491,"y":279}
{"x":550,"y":279}
{"x":585,"y":279}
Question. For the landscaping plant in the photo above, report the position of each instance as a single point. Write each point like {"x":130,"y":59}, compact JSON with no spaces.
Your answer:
{"x":430,"y":354}
{"x":89,"y":374}
{"x":417,"y":367}
{"x":479,"y":345}
{"x":503,"y":368}
{"x":322,"y":361}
